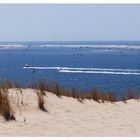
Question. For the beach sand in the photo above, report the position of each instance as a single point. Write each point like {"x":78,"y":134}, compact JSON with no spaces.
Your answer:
{"x":68,"y":117}
{"x":3,"y":46}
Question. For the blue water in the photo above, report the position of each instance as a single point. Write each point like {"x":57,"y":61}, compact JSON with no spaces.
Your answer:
{"x":12,"y":60}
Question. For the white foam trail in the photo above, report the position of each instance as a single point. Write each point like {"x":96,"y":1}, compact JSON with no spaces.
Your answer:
{"x":100,"y":72}
{"x":48,"y":68}
{"x":83,"y":69}
{"x":90,"y":70}
{"x":97,"y":69}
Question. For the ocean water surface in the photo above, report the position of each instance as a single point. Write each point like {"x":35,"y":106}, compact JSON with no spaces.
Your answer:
{"x":85,"y":67}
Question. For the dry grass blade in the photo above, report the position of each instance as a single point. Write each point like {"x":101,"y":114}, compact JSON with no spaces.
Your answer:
{"x":95,"y":95}
{"x":5,"y":107}
{"x":57,"y":89}
{"x":112,"y":98}
{"x":40,"y":85}
{"x":73,"y":92}
{"x":41,"y":102}
{"x":17,"y":85}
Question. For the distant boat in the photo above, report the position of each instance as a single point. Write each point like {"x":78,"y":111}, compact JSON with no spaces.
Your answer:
{"x":26,"y":66}
{"x":30,"y":66}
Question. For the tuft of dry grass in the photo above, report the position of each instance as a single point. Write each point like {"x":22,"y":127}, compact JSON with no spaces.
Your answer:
{"x":95,"y":95}
{"x":5,"y":108}
{"x":129,"y":94}
{"x":41,"y":101}
{"x":81,"y":97}
{"x":73,"y":92}
{"x":40,"y":85}
{"x":123,"y":99}
{"x":57,"y":89}
{"x":112,"y":98}
{"x":5,"y":85}
{"x":18,"y":86}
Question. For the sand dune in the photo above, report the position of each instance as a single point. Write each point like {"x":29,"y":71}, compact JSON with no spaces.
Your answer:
{"x":68,"y":117}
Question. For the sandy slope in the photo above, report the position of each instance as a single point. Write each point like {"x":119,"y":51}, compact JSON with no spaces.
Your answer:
{"x":68,"y":117}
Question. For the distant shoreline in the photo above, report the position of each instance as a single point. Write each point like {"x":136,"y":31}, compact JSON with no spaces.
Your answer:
{"x":71,"y":46}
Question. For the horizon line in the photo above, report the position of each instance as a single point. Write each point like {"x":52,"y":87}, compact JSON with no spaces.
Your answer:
{"x":72,"y":41}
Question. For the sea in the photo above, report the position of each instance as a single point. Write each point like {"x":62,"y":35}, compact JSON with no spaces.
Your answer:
{"x":73,"y":63}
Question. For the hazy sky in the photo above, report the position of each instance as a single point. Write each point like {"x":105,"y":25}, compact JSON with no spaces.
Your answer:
{"x":69,"y":22}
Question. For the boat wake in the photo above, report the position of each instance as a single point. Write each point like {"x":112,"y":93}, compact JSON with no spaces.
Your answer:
{"x":90,"y":70}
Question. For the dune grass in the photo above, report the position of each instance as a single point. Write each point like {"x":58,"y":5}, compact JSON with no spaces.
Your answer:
{"x":41,"y":101}
{"x":91,"y":94}
{"x":5,"y":108}
{"x":41,"y":87}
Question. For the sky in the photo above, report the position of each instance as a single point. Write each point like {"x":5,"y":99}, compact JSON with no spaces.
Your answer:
{"x":69,"y":22}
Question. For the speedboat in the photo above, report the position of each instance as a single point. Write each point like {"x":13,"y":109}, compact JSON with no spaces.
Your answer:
{"x":26,"y":66}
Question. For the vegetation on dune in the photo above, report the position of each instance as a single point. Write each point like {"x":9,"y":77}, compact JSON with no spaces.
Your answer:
{"x":41,"y":87}
{"x":41,"y":101}
{"x":5,"y":108}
